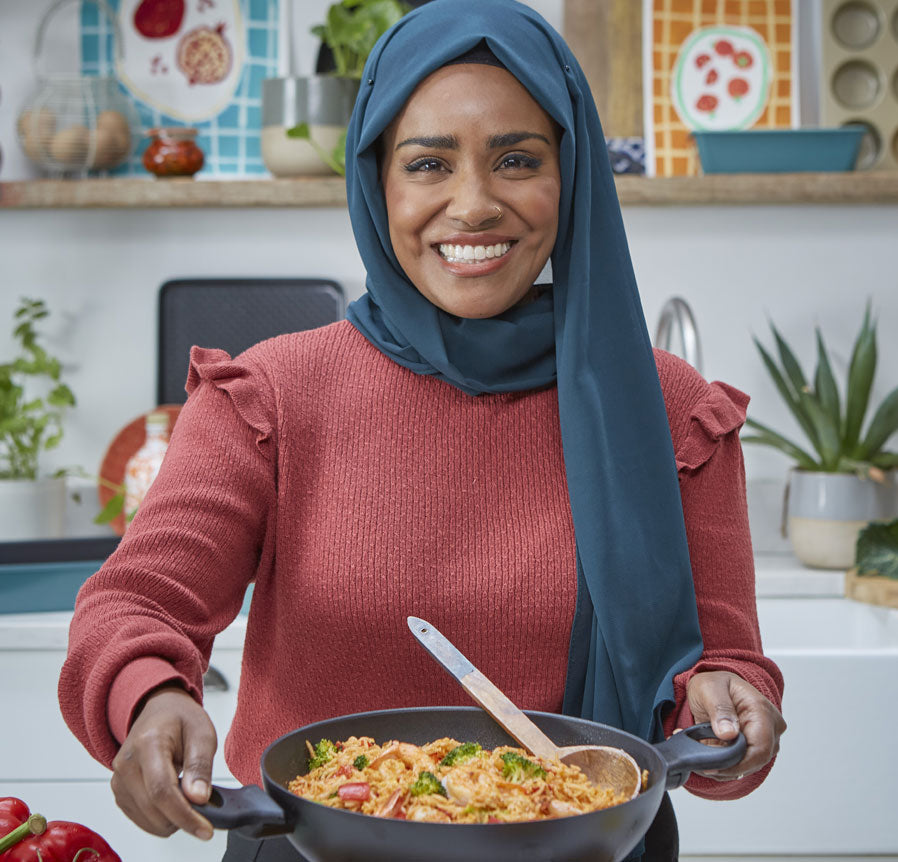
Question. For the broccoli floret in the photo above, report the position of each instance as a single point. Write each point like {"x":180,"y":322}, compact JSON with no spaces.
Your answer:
{"x":461,"y":753}
{"x":324,"y":751}
{"x":517,"y":768}
{"x":360,"y":762}
{"x":427,"y":782}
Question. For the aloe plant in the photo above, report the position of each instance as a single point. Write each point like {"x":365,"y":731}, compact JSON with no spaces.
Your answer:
{"x":834,"y":425}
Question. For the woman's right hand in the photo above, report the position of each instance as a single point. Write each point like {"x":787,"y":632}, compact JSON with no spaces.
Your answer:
{"x":171,"y":734}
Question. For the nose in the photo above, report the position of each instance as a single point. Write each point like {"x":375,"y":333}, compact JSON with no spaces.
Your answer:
{"x":471,"y":202}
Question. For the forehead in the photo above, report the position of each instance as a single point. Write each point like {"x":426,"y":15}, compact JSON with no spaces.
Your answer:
{"x":471,"y":95}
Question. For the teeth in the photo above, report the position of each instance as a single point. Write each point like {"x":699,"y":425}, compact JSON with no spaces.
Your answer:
{"x":473,"y":253}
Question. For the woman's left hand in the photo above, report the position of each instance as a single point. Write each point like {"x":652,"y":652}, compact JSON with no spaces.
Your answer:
{"x":731,"y":704}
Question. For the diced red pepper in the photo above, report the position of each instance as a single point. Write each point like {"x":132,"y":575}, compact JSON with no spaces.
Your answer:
{"x":358,"y":791}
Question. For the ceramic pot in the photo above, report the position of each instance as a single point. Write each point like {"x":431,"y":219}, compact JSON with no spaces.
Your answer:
{"x":323,"y":101}
{"x":826,"y":511}
{"x":31,"y":509}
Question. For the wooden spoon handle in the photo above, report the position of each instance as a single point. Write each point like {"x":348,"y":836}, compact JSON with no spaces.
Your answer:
{"x":483,"y":691}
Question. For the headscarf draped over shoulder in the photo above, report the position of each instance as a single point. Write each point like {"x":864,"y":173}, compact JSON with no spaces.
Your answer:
{"x":636,"y":624}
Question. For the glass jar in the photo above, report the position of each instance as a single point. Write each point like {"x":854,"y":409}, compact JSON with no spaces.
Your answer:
{"x":144,"y":464}
{"x":173,"y":152}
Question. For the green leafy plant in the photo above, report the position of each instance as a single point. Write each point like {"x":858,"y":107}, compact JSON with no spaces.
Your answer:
{"x":833,"y":425}
{"x":877,"y":549}
{"x":351,"y":29}
{"x":30,"y":423}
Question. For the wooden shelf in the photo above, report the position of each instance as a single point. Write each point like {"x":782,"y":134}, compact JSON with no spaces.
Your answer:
{"x":718,"y":189}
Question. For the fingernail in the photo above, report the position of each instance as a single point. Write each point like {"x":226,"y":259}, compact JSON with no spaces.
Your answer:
{"x":725,"y":725}
{"x":200,"y":788}
{"x":203,"y":833}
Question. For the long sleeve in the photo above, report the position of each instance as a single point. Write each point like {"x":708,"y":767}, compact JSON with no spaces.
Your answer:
{"x":712,"y":488}
{"x":178,"y":577}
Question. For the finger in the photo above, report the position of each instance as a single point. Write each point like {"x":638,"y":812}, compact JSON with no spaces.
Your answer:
{"x":711,"y":700}
{"x":762,"y":725}
{"x":130,"y":796}
{"x":163,"y":790}
{"x":199,"y":750}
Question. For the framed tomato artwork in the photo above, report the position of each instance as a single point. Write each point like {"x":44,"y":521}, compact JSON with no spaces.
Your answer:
{"x":714,"y":65}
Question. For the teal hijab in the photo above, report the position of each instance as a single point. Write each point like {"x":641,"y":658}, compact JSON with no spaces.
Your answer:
{"x":636,"y":624}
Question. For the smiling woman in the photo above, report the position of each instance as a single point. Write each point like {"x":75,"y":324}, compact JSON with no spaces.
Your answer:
{"x":509,"y":460}
{"x":472,"y":185}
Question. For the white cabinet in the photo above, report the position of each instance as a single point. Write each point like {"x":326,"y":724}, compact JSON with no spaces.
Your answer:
{"x":42,"y":763}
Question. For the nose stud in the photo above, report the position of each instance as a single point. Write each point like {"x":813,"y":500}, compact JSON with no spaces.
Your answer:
{"x":498,"y":215}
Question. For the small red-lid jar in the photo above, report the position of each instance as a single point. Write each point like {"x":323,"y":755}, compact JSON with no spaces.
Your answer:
{"x":173,"y":152}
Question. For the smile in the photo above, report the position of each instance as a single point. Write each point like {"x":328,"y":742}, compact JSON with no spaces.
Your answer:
{"x":473,"y":253}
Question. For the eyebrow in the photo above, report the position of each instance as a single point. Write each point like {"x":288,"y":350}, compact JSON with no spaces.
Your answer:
{"x":450,"y":142}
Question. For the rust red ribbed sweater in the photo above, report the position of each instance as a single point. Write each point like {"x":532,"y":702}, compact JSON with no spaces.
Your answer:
{"x":356,"y":493}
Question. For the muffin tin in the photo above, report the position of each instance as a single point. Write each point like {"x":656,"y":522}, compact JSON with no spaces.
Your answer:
{"x":859,"y":55}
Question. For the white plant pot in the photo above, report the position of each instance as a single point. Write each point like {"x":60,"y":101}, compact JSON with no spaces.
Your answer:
{"x":826,"y":511}
{"x":31,"y":509}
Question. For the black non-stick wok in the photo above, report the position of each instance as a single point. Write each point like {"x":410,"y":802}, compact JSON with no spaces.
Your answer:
{"x":324,"y":834}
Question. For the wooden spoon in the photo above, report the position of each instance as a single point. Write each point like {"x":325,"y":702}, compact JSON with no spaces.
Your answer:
{"x":603,"y":765}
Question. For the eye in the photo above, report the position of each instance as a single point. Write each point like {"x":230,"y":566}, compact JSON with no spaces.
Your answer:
{"x":520,"y":161}
{"x":426,"y":165}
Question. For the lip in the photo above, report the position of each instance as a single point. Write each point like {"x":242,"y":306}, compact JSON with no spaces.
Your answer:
{"x":479,"y":268}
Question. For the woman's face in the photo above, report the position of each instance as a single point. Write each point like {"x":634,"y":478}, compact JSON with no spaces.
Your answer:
{"x":472,"y":183}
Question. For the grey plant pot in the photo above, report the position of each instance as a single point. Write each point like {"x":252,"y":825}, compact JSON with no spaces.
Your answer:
{"x":325,"y":102}
{"x":826,"y":511}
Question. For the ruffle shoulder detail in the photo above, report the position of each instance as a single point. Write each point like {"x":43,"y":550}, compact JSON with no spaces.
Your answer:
{"x":720,"y":411}
{"x":243,"y":383}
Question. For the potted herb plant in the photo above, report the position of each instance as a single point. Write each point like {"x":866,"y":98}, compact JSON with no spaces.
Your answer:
{"x":33,"y":402}
{"x":304,"y":119}
{"x":846,"y":477}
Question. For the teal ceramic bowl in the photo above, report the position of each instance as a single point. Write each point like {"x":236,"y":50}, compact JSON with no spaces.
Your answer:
{"x":773,"y":151}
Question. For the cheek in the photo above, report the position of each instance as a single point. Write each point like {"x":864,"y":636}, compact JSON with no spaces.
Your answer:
{"x":540,"y":208}
{"x":407,"y":215}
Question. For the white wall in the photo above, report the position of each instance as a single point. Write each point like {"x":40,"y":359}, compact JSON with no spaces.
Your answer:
{"x":100,"y":272}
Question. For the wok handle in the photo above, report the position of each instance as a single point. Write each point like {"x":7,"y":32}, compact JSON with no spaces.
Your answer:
{"x":249,"y":809}
{"x":685,"y":754}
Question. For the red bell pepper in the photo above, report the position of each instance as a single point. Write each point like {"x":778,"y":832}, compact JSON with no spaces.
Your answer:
{"x":359,"y":791}
{"x":56,"y":841}
{"x":13,"y":813}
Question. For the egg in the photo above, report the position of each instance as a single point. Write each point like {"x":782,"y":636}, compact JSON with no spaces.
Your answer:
{"x":36,"y":132}
{"x":69,"y":146}
{"x":113,"y":121}
{"x":41,"y":124}
{"x":105,"y":148}
{"x":34,"y":149}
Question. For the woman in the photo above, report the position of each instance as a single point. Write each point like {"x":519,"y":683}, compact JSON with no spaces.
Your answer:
{"x":472,"y":447}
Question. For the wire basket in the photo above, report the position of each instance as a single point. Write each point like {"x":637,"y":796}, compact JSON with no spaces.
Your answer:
{"x":75,"y":124}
